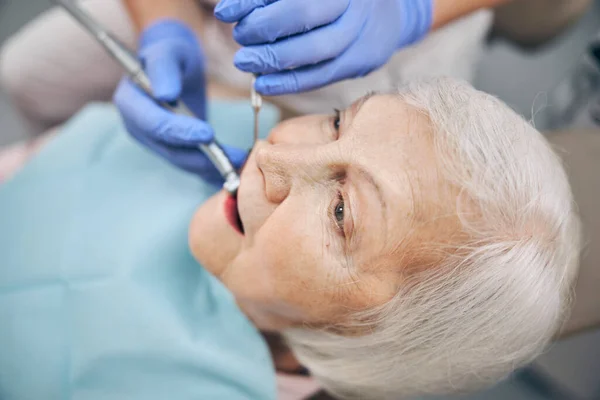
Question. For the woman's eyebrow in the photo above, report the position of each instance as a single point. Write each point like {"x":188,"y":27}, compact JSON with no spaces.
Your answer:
{"x":366,"y":176}
{"x":369,"y":178}
{"x":357,"y":105}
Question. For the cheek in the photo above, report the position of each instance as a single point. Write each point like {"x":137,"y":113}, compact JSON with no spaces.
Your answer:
{"x":285,"y":259}
{"x":279,"y":264}
{"x":211,"y":240}
{"x":291,"y":265}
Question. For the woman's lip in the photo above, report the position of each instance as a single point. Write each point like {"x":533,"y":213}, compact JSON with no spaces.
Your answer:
{"x":231,"y":205}
{"x":232,"y":214}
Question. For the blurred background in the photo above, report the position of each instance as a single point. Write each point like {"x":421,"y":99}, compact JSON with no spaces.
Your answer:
{"x":521,"y":77}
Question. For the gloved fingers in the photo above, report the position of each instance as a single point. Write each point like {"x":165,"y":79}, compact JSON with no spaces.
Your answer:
{"x":285,"y":18}
{"x":236,"y":155}
{"x":181,"y":130}
{"x":164,"y":68}
{"x":194,"y":93}
{"x":316,"y":46}
{"x":189,"y":160}
{"x":315,"y":76}
{"x":145,"y":117}
{"x":193,"y":159}
{"x":234,"y":10}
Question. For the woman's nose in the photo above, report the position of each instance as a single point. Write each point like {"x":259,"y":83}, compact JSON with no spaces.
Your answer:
{"x":284,"y":165}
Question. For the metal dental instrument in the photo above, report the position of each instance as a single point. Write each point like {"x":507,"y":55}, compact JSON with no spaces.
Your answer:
{"x":256,"y":101}
{"x":135,"y":70}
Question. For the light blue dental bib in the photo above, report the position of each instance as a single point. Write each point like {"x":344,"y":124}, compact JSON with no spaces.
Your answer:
{"x":100,"y":297}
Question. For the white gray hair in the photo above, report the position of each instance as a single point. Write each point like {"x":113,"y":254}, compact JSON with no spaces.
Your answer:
{"x":495,"y":304}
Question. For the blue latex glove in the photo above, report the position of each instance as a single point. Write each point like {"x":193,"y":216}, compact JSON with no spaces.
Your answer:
{"x":332,"y":40}
{"x":174,"y":62}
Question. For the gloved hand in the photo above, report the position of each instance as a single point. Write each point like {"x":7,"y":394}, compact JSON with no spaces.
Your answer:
{"x":332,"y":39}
{"x":174,"y":62}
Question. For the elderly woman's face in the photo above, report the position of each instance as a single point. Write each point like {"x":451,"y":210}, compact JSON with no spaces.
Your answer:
{"x":330,"y":209}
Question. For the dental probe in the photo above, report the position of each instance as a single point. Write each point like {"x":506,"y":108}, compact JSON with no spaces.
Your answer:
{"x":129,"y":61}
{"x":256,"y":101}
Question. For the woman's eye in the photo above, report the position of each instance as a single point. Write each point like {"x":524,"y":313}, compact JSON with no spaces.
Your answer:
{"x":337,"y":120}
{"x":338,"y":213}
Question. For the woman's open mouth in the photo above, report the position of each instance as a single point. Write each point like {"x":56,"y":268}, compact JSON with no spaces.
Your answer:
{"x":232,"y":214}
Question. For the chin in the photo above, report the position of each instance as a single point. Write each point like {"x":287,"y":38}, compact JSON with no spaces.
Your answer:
{"x":212,"y":240}
{"x":196,"y":234}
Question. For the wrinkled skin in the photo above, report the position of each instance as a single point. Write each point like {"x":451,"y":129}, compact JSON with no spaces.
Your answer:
{"x":335,"y":211}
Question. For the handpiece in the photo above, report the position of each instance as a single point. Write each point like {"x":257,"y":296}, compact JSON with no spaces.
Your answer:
{"x":129,"y":61}
{"x":256,"y":102}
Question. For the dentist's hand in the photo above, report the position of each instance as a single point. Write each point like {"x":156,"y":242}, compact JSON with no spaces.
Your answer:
{"x":173,"y":61}
{"x":299,"y":45}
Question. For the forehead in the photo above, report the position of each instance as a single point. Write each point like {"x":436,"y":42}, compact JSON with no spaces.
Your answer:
{"x":393,"y":141}
{"x":396,"y":145}
{"x":389,"y":119}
